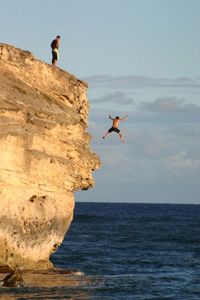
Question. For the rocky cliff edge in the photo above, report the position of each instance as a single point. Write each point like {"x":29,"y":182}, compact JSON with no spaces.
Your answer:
{"x":44,"y":157}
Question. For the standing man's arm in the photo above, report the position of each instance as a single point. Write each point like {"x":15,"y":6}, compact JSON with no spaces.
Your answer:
{"x":110,"y":117}
{"x":58,"y":41}
{"x":57,"y":44}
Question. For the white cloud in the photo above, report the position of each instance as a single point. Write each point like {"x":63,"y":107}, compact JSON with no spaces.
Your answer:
{"x":150,"y":155}
{"x":162,"y":149}
{"x":116,"y":98}
{"x":172,"y":105}
{"x":181,"y":161}
{"x":137,"y":81}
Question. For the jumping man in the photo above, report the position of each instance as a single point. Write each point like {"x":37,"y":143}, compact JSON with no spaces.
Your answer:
{"x":55,"y":46}
{"x":115,"y":126}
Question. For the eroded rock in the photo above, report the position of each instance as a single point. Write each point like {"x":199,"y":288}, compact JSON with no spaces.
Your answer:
{"x":44,"y":157}
{"x":13,"y":279}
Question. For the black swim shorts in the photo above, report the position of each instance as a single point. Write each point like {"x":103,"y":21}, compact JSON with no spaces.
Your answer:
{"x":54,"y":55}
{"x":114,"y":129}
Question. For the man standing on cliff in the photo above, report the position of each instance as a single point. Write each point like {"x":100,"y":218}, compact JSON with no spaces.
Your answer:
{"x":55,"y":46}
{"x":115,"y":126}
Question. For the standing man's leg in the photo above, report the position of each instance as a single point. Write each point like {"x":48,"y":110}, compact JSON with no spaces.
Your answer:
{"x":54,"y":58}
{"x":53,"y":62}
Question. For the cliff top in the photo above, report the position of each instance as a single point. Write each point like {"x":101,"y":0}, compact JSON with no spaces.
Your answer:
{"x":54,"y":82}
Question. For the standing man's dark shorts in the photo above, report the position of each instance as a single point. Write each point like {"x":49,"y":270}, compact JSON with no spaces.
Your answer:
{"x":54,"y":55}
{"x":114,"y":129}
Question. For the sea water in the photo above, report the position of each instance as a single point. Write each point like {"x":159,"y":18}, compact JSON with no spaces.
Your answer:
{"x":126,"y":251}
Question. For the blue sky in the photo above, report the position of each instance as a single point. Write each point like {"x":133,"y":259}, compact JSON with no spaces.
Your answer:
{"x":139,"y":57}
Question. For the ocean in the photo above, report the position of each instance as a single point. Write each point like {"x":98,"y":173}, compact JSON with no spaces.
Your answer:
{"x":126,"y":251}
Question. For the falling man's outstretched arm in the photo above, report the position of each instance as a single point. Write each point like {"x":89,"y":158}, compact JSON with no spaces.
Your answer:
{"x":124,"y":118}
{"x":110,"y":117}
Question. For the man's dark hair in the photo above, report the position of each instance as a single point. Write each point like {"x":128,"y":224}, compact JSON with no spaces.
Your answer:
{"x":117,"y":117}
{"x":58,"y":37}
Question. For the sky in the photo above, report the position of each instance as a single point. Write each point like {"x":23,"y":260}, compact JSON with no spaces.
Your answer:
{"x":141,"y":58}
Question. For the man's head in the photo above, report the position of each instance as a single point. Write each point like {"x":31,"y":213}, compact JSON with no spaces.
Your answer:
{"x":117,"y":117}
{"x":58,"y":37}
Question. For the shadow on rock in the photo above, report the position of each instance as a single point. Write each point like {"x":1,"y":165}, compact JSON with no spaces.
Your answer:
{"x":14,"y":279}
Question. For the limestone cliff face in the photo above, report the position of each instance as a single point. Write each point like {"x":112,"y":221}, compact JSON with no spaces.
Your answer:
{"x":44,"y":156}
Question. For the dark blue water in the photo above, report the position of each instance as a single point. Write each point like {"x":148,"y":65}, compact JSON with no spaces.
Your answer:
{"x":137,"y":251}
{"x":130,"y":251}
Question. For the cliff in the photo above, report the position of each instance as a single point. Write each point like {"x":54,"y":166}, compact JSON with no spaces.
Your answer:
{"x":44,"y":157}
